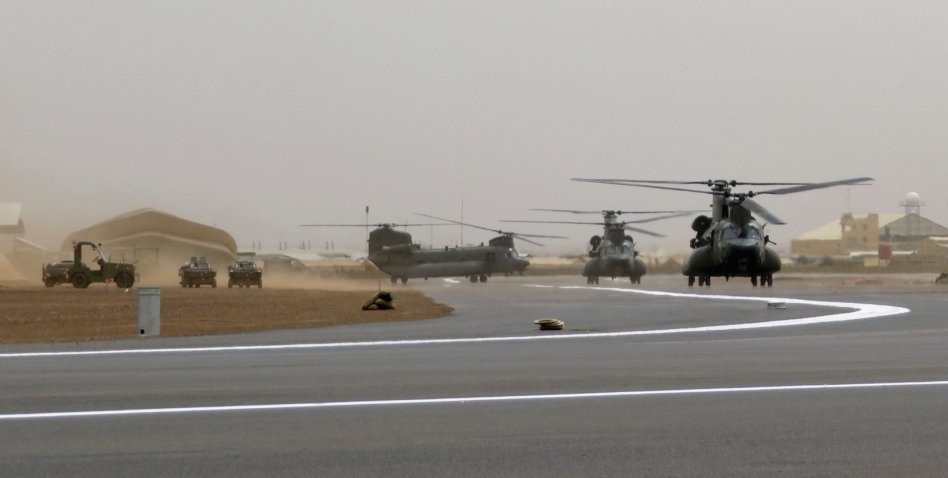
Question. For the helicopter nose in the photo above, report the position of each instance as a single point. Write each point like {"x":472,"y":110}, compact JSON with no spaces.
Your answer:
{"x":743,"y":254}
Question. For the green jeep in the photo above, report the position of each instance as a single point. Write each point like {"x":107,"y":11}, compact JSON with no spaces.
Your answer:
{"x":81,"y":275}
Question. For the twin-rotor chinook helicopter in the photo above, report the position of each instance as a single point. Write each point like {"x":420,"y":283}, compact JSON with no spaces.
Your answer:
{"x":613,"y":254}
{"x":731,"y":243}
{"x":394,"y":253}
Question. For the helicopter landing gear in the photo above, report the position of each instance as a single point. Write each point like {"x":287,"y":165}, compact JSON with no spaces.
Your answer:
{"x":754,"y":280}
{"x":636,"y":279}
{"x":404,"y":280}
{"x":394,"y":280}
{"x":483,"y":278}
{"x":592,"y":279}
{"x":704,"y":281}
{"x":767,"y":280}
{"x":473,"y":279}
{"x":691,"y":281}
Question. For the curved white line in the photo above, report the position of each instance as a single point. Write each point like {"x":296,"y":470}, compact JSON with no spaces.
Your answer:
{"x":440,"y":401}
{"x":861,"y":312}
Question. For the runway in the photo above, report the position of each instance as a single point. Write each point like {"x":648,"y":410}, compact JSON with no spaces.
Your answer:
{"x":654,"y":382}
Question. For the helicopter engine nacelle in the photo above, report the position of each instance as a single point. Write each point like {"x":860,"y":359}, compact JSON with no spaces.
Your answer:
{"x":400,"y":249}
{"x":595,"y":241}
{"x":701,"y":224}
{"x":385,"y":237}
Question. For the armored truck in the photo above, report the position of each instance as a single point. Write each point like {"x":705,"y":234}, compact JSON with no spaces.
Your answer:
{"x":245,"y":274}
{"x":56,"y":273}
{"x":197,"y":272}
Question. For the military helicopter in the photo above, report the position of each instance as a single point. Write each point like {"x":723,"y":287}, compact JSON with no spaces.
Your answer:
{"x":394,"y":253}
{"x":731,"y":243}
{"x":613,"y":254}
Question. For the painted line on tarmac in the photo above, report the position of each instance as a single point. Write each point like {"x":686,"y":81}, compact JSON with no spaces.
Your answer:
{"x":465,"y":400}
{"x":860,"y":312}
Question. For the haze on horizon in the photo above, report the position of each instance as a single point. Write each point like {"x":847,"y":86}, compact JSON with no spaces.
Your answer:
{"x":256,"y":117}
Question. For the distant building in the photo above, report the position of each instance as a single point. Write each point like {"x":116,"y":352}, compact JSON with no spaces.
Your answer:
{"x":873,"y":234}
{"x":852,"y":233}
{"x":158,"y":242}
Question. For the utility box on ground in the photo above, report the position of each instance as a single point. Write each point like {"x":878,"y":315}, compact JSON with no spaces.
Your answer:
{"x":149,"y":311}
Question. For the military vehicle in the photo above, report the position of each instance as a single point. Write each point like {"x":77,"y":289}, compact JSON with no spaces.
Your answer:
{"x":613,"y":254}
{"x":244,"y":273}
{"x":80,"y":275}
{"x":394,"y":253}
{"x":56,"y":273}
{"x":731,"y":243}
{"x":197,"y":272}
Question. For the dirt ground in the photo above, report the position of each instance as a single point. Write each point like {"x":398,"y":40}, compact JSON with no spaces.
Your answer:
{"x":35,"y":314}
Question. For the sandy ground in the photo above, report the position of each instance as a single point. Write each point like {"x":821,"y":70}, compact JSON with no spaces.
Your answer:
{"x":35,"y":314}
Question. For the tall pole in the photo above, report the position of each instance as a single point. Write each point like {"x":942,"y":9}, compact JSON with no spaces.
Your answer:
{"x":462,"y":223}
{"x":367,"y":227}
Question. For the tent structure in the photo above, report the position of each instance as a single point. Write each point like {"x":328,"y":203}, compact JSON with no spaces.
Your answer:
{"x":10,"y":221}
{"x":7,"y":272}
{"x":158,"y":242}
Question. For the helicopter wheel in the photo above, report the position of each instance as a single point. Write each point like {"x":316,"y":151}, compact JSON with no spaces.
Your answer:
{"x":394,"y":280}
{"x":483,"y":278}
{"x":707,"y":281}
{"x":763,"y":280}
{"x":473,"y":279}
{"x":769,"y":278}
{"x":404,"y":280}
{"x":691,"y":281}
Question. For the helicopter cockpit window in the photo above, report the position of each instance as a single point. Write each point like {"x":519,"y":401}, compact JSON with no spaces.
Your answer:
{"x":737,"y":232}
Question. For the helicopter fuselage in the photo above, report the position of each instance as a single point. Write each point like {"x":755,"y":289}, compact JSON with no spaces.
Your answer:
{"x":728,"y":249}
{"x":413,"y":262}
{"x":611,"y":260}
{"x":394,"y":253}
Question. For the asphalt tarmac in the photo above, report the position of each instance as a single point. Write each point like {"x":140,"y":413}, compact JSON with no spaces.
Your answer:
{"x":639,"y":384}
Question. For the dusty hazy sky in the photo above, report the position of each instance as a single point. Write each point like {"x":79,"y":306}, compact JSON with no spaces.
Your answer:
{"x":259,"y":116}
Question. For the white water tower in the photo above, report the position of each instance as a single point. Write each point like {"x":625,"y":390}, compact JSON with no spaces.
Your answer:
{"x":913,"y":214}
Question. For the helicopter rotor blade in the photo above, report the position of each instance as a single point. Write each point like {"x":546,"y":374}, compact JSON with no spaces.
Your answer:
{"x":383,"y":224}
{"x":619,"y":182}
{"x":541,"y":236}
{"x":705,"y":182}
{"x":642,"y":231}
{"x":497,"y":231}
{"x":521,"y":238}
{"x":460,"y":223}
{"x":554,"y":222}
{"x":617,"y":212}
{"x":761,"y":211}
{"x":659,"y":218}
{"x":811,"y":186}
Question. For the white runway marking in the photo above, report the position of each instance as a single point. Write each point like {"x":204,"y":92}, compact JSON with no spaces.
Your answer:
{"x":860,"y":312}
{"x":464,"y":400}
